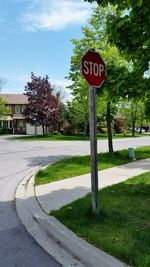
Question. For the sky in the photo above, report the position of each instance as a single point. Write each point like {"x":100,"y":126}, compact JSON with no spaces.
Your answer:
{"x":35,"y":36}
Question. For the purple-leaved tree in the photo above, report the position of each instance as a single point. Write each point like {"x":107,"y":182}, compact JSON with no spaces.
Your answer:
{"x":43,"y":107}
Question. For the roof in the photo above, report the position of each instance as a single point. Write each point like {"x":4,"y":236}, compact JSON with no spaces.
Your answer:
{"x":11,"y":99}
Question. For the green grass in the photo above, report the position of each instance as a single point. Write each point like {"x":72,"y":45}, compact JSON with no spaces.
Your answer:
{"x":60,"y":137}
{"x":122,"y":228}
{"x":80,"y":165}
{"x":75,"y":137}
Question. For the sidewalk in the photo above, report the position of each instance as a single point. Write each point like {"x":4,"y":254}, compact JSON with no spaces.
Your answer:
{"x":55,"y":195}
{"x":33,"y":205}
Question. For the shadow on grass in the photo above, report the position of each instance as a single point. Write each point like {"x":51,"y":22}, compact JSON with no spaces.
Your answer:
{"x":80,"y":165}
{"x":123,"y":226}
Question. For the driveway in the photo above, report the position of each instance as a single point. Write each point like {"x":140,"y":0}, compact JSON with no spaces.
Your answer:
{"x":17,"y":159}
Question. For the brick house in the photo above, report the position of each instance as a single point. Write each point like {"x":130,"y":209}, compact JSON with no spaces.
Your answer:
{"x":15,"y":121}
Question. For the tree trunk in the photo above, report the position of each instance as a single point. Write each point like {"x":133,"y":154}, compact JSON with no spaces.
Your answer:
{"x":133,"y":127}
{"x":86,"y":128}
{"x":141,"y":122}
{"x":134,"y":113}
{"x":109,"y":130}
{"x":59,"y":127}
{"x":46,"y":130}
{"x":43,"y":129}
{"x":125,"y":131}
{"x":35,"y":130}
{"x":141,"y":127}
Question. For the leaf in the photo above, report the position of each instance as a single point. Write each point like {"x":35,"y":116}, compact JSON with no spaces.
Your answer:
{"x":139,"y":3}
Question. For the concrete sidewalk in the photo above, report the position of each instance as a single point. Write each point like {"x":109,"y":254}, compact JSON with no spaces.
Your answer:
{"x":33,"y":204}
{"x":55,"y":195}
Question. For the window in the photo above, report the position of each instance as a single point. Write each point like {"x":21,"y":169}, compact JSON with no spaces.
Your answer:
{"x":23,"y":108}
{"x":17,"y":109}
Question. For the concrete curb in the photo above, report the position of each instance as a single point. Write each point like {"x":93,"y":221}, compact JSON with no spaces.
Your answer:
{"x":89,"y":255}
{"x":28,"y":211}
{"x":53,"y":236}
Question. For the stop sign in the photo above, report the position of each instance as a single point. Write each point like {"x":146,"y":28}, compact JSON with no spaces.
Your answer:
{"x":93,"y":68}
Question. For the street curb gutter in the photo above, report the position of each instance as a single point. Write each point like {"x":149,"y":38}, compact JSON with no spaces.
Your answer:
{"x":77,"y":247}
{"x":28,"y":211}
{"x":53,"y":236}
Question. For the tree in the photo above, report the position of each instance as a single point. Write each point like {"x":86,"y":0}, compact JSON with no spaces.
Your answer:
{"x":63,"y":92}
{"x":95,"y":37}
{"x":77,"y":115}
{"x":4,"y":109}
{"x":141,"y":116}
{"x":43,"y":107}
{"x":60,"y":118}
{"x":129,"y":29}
{"x":147,"y":108}
{"x":133,"y":113}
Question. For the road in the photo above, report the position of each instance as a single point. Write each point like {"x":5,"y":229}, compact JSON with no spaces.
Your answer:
{"x":17,"y":159}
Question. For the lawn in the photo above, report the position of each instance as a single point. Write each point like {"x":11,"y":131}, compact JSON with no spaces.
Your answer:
{"x":75,"y":137}
{"x":80,"y":165}
{"x":59,"y":137}
{"x":122,"y":228}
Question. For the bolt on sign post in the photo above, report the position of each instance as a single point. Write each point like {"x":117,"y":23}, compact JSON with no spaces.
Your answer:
{"x":93,"y":70}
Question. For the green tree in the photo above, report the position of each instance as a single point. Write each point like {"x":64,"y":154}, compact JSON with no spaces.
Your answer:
{"x":129,"y":29}
{"x":95,"y":37}
{"x":133,"y":113}
{"x":147,"y":107}
{"x":77,"y":116}
{"x":141,"y":116}
{"x":4,"y":109}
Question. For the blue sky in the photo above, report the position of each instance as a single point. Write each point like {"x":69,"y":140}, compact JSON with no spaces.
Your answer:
{"x":35,"y":37}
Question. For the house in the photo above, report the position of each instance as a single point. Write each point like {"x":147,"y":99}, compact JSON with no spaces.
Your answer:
{"x":15,"y":121}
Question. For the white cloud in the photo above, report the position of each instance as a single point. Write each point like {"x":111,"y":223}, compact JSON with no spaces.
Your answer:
{"x":54,"y":15}
{"x":19,"y":77}
{"x":62,"y":83}
{"x":2,"y":21}
{"x":15,"y":82}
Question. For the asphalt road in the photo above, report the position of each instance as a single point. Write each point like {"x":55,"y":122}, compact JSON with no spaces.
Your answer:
{"x":18,"y":158}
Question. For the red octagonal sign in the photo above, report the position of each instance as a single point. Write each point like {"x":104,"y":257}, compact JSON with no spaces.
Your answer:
{"x":93,"y":68}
